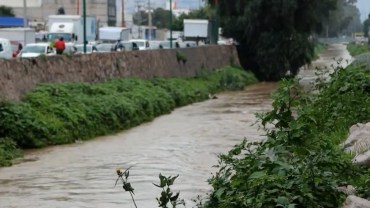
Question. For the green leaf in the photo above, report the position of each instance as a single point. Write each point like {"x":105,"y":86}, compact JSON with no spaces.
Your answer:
{"x":282,"y":200}
{"x":174,"y":198}
{"x":163,"y":180}
{"x":258,"y":174}
{"x":220,"y":192}
{"x":171,"y":180}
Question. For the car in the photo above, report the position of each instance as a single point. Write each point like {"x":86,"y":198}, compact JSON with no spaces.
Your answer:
{"x":142,"y":44}
{"x":104,"y":47}
{"x":5,"y":49}
{"x":89,"y":49}
{"x":129,"y":46}
{"x":188,"y":44}
{"x":154,"y":44}
{"x":167,"y":44}
{"x":70,"y":49}
{"x":36,"y":49}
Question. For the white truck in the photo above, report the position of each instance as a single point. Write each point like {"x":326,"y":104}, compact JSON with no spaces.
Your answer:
{"x":113,"y":34}
{"x":18,"y":35}
{"x":195,"y":29}
{"x":70,"y":27}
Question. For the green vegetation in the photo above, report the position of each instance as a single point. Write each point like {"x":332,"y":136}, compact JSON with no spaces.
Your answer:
{"x":357,"y":49}
{"x":301,"y":163}
{"x":167,"y":198}
{"x":63,"y":113}
{"x":6,"y":11}
{"x":319,"y":48}
{"x":8,"y":151}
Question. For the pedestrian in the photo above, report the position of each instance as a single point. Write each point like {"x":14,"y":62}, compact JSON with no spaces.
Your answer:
{"x":20,"y":47}
{"x":60,"y":46}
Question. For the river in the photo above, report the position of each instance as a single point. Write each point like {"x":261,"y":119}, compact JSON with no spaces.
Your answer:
{"x":185,"y":142}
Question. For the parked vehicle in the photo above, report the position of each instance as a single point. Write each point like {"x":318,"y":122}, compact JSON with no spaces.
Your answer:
{"x":89,"y":49}
{"x":196,"y":29}
{"x":41,"y":37}
{"x":36,"y":49}
{"x":142,"y":44}
{"x":154,"y":44}
{"x":188,"y":44}
{"x":70,"y":27}
{"x":104,"y":47}
{"x":167,"y":44}
{"x":70,"y":49}
{"x":5,"y":49}
{"x":129,"y":46}
{"x":113,"y":34}
{"x":18,"y":35}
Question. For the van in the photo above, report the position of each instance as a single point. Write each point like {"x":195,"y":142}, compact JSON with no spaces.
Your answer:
{"x":5,"y":49}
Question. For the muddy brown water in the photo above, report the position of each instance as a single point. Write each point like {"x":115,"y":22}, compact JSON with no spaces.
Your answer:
{"x":185,"y":142}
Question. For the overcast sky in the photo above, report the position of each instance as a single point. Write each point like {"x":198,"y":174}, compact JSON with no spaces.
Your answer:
{"x":364,"y":7}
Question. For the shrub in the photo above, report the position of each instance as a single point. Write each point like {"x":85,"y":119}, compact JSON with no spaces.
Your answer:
{"x":8,"y":151}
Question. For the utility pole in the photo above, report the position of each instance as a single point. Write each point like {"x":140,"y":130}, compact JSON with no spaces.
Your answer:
{"x":138,"y":5}
{"x":170,"y":23}
{"x":25,"y":20}
{"x":149,"y":21}
{"x":84,"y":23}
{"x":123,"y":13}
{"x":78,"y":7}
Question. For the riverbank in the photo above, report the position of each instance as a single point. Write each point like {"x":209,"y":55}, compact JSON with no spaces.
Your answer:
{"x":55,"y":114}
{"x":301,"y":164}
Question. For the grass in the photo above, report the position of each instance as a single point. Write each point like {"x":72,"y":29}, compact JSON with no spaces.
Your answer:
{"x":357,"y":49}
{"x":319,"y":48}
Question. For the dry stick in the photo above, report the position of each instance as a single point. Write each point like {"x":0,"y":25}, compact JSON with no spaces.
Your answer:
{"x":132,"y":197}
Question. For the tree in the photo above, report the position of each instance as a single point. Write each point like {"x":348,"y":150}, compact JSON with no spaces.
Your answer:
{"x":366,"y":25}
{"x":273,"y":36}
{"x":6,"y":11}
{"x":161,"y":18}
{"x":342,"y":21}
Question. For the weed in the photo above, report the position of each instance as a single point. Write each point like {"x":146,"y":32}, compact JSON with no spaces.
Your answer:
{"x":181,"y":57}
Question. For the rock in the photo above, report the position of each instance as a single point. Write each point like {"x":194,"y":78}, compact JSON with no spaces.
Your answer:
{"x":358,"y":140}
{"x":210,"y":96}
{"x":348,"y":190}
{"x":363,"y":159}
{"x":356,"y":202}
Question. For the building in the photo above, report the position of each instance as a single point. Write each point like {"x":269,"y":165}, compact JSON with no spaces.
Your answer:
{"x":39,"y":10}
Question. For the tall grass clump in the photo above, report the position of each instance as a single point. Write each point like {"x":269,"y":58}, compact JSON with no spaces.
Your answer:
{"x":62,"y":113}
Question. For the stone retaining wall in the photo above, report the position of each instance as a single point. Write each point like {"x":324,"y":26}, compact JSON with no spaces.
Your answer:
{"x":19,"y":76}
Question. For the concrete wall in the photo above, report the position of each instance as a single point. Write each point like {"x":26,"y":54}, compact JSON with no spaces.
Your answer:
{"x":19,"y":76}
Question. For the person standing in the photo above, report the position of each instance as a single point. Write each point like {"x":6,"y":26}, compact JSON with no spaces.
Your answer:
{"x":60,"y":46}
